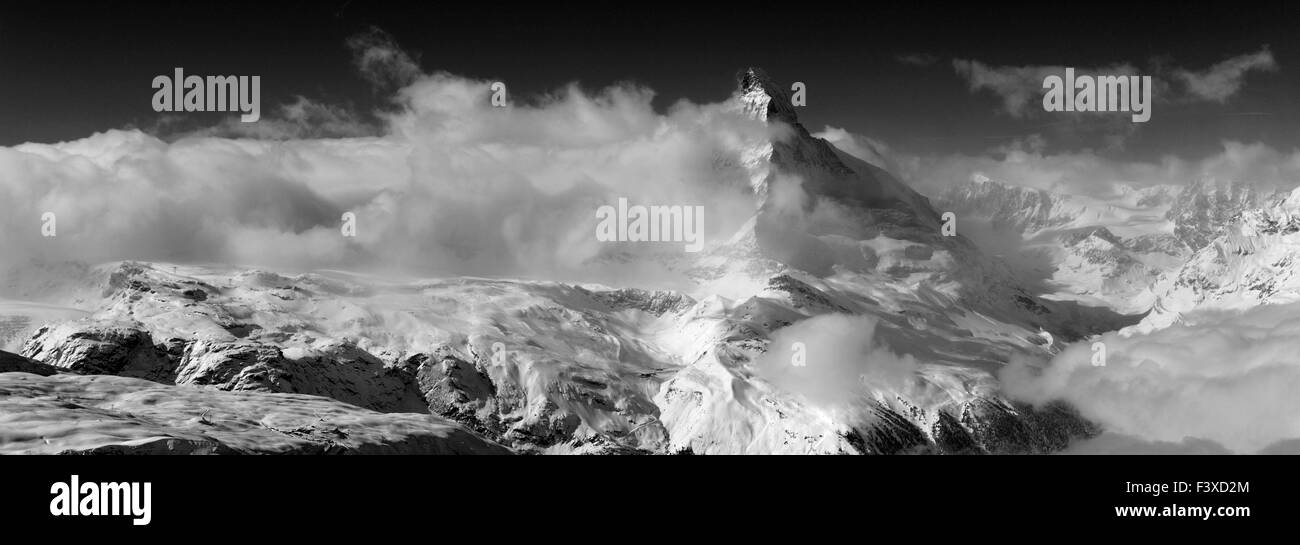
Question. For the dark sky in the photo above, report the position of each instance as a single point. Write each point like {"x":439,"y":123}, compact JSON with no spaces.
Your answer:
{"x":67,"y":71}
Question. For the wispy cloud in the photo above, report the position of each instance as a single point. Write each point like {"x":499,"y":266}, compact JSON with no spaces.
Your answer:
{"x":1020,"y":88}
{"x":1220,"y":82}
{"x":917,"y":59}
{"x":301,"y":119}
{"x":382,"y":62}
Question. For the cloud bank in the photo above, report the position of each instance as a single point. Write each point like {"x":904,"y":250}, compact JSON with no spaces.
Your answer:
{"x":1225,"y":378}
{"x":445,"y":183}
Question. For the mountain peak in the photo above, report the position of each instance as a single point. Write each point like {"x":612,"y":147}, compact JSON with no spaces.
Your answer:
{"x":752,"y":77}
{"x":763,"y":98}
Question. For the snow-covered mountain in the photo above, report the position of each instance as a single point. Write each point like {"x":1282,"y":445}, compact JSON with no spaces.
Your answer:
{"x":902,"y":331}
{"x":1099,"y":250}
{"x":1106,"y":249}
{"x":1129,"y":212}
{"x":1206,"y":208}
{"x":1253,"y":262}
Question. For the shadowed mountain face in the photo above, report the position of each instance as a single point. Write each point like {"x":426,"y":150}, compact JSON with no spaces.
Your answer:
{"x":830,"y":214}
{"x":13,"y":363}
{"x":881,"y":202}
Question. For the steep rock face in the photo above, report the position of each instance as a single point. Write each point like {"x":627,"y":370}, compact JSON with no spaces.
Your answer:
{"x":459,"y":390}
{"x":1023,"y":429}
{"x":113,"y":348}
{"x":339,"y":371}
{"x":830,"y":214}
{"x":887,"y":205}
{"x":106,"y":349}
{"x":97,"y":414}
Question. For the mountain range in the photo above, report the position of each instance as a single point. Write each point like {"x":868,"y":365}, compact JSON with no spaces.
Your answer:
{"x":900,"y":330}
